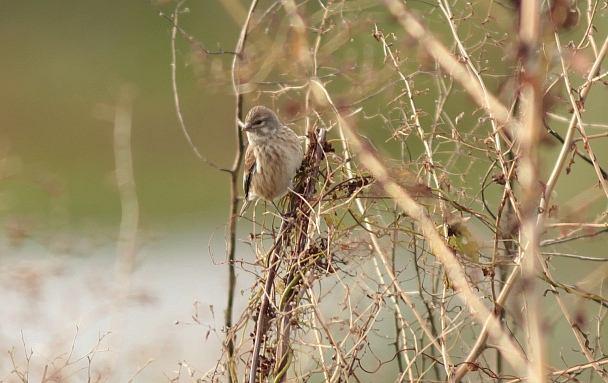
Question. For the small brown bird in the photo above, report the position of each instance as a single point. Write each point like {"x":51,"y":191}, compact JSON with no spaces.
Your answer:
{"x":272,"y":159}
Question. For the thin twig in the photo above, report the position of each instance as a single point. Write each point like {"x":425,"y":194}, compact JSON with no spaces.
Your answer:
{"x":180,"y":118}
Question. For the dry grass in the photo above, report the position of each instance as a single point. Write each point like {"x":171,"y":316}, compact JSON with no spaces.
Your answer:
{"x":434,"y":233}
{"x":425,"y":236}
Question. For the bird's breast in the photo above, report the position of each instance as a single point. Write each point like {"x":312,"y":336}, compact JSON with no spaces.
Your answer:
{"x":276,"y":164}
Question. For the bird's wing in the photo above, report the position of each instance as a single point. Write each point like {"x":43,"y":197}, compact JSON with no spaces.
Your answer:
{"x":250,"y":165}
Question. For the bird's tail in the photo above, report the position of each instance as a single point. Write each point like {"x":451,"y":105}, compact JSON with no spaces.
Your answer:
{"x":245,"y":207}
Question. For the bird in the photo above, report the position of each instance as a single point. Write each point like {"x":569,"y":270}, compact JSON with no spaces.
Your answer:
{"x":272,"y":158}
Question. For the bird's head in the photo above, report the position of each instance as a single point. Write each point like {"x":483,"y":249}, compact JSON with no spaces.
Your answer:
{"x":261,"y":122}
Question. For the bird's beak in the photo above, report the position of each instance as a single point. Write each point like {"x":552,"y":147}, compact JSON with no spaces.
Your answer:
{"x":247,"y":128}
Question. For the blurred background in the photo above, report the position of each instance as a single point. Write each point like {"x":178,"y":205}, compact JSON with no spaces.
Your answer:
{"x":63,"y":66}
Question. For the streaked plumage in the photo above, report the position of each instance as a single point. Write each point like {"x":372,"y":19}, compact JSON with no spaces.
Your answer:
{"x":272,"y":158}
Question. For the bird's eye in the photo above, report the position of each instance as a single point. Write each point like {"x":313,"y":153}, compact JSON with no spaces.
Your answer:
{"x":257,"y":122}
